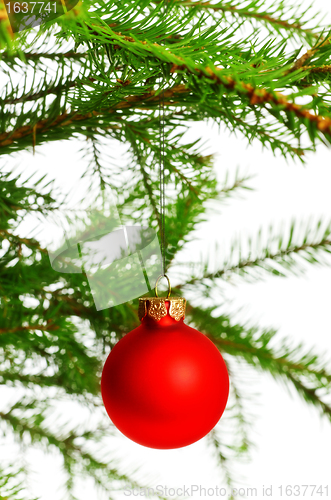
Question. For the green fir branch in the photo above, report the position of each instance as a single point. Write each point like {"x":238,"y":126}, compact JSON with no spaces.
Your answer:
{"x":281,"y":256}
{"x":295,"y":365}
{"x":76,"y":457}
{"x":99,"y":71}
{"x":12,"y":479}
{"x":280,"y":18}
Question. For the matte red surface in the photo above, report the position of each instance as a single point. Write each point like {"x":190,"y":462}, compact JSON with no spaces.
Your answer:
{"x":165,"y":385}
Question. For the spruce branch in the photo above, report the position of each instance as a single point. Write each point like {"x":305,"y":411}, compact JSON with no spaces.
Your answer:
{"x":313,"y":66}
{"x":238,"y":183}
{"x":16,"y":240}
{"x":315,"y":50}
{"x":254,"y":10}
{"x":96,"y":169}
{"x":49,"y":327}
{"x":310,"y":395}
{"x":222,"y":459}
{"x":318,"y":70}
{"x":51,"y":90}
{"x":261,"y":97}
{"x":112,"y":88}
{"x":257,"y":97}
{"x":67,"y":120}
{"x":230,"y":439}
{"x":65,"y":123}
{"x":283,"y":361}
{"x":12,"y":479}
{"x":16,"y":378}
{"x":253,"y":130}
{"x":302,"y":244}
{"x":76,"y":457}
{"x":26,"y":56}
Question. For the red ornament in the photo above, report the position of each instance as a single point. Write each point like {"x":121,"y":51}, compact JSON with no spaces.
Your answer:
{"x":164,"y":385}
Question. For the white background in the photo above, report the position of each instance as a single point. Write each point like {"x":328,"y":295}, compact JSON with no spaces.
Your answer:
{"x":292,"y":441}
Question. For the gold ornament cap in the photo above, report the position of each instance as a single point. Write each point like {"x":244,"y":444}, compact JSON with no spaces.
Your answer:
{"x":155,"y":307}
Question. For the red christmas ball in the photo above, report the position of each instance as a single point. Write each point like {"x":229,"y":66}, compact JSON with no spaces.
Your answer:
{"x":164,"y":385}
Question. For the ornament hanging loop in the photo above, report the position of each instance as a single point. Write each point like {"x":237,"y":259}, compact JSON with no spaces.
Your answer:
{"x":169,"y":286}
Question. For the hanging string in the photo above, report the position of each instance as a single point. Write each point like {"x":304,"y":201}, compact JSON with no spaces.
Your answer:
{"x":162,"y":165}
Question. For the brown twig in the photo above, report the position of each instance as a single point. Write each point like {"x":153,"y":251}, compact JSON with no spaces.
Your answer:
{"x":65,"y":119}
{"x":259,"y":96}
{"x":71,"y":54}
{"x":22,"y":328}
